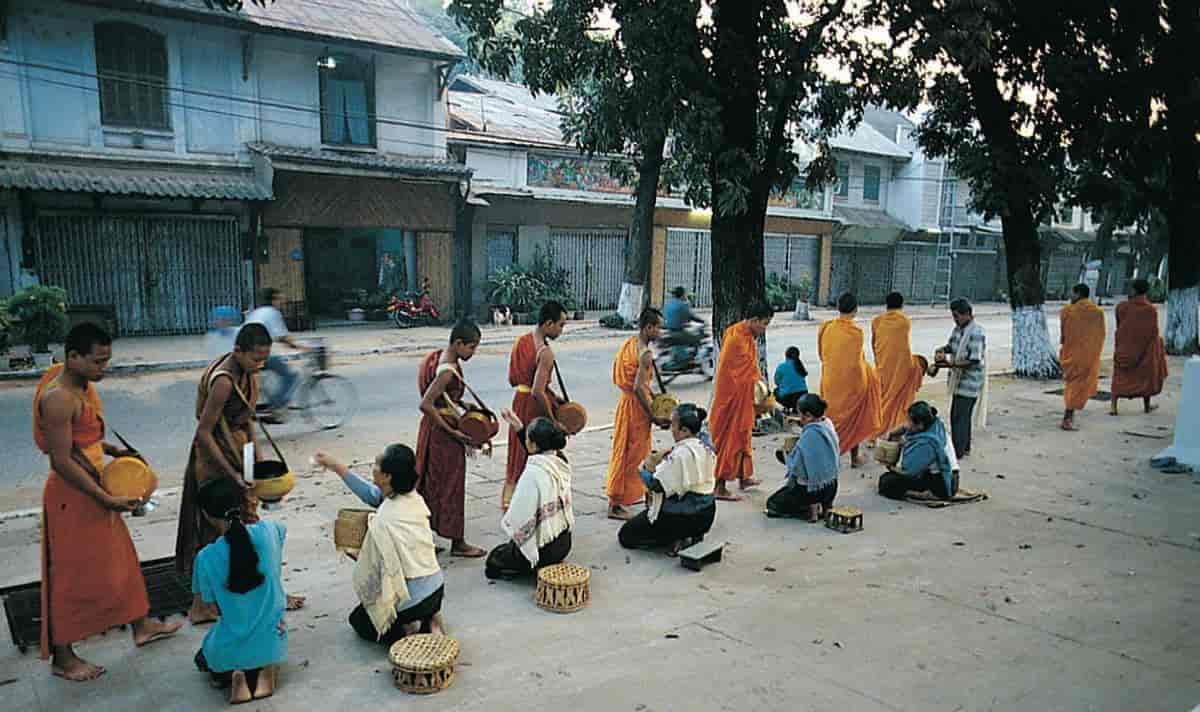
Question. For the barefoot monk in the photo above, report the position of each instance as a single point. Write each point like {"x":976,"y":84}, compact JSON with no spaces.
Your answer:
{"x":848,"y":383}
{"x":1139,"y":355}
{"x":91,"y":578}
{"x":1083,"y":328}
{"x":900,"y":372}
{"x":732,"y":420}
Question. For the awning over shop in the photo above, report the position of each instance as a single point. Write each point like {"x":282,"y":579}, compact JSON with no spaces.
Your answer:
{"x":865,"y":226}
{"x":291,"y":158}
{"x":157,"y":180}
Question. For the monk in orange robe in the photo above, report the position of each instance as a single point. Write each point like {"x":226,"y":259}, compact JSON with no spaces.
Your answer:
{"x":899,"y":371}
{"x":441,"y":446}
{"x":530,"y":366}
{"x":633,"y":370}
{"x":91,"y":578}
{"x":1083,"y":330}
{"x":732,"y":419}
{"x":848,"y":383}
{"x":1139,"y":355}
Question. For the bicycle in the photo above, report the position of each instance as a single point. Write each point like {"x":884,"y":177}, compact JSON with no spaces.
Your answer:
{"x":325,"y":399}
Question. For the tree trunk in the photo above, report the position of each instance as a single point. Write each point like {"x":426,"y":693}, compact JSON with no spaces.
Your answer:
{"x":1100,"y":250}
{"x":634,"y":293}
{"x":1033,"y":355}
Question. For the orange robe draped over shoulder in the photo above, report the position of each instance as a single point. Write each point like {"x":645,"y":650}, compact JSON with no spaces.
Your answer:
{"x":1139,"y":356}
{"x":848,"y":383}
{"x":900,"y":372}
{"x":91,"y":577}
{"x":522,"y":366}
{"x":732,"y":420}
{"x":1083,"y":331}
{"x":441,"y":460}
{"x":631,"y":430}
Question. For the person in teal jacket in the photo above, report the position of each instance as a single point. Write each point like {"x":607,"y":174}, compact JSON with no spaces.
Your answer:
{"x":924,"y":463}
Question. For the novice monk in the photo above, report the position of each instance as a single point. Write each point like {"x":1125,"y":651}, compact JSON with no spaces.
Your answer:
{"x":442,"y":447}
{"x":848,"y":383}
{"x":925,"y":458}
{"x":732,"y":422}
{"x":1139,"y":355}
{"x":91,"y":579}
{"x":539,"y":518}
{"x":633,"y":371}
{"x":900,"y":372}
{"x":812,"y":466}
{"x":530,"y":367}
{"x":1083,"y":329}
{"x":241,"y":574}
{"x":682,"y":509}
{"x":225,"y":402}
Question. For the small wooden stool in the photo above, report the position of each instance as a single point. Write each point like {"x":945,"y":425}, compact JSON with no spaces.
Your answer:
{"x":563,"y":588}
{"x":698,"y":555}
{"x":845,"y":519}
{"x":423,"y":664}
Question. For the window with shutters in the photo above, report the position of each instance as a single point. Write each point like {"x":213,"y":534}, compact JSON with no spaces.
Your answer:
{"x":348,"y":102}
{"x":871,"y":175}
{"x":131,"y":63}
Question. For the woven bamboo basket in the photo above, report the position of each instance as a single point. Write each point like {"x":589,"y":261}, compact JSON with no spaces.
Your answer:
{"x":663,"y":405}
{"x":563,"y":588}
{"x":423,"y":664}
{"x":350,"y":529}
{"x":887,"y":452}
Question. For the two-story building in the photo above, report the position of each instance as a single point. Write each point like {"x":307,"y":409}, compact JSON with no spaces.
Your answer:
{"x":162,"y":158}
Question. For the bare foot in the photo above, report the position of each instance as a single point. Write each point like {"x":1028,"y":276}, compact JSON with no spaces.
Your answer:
{"x":295,"y":603}
{"x":722,"y":493}
{"x":437,"y":626}
{"x":857,"y":462}
{"x":201,"y":612}
{"x":1069,"y":425}
{"x":1151,"y":408}
{"x":239,"y":691}
{"x":619,"y":513}
{"x":69,"y":666}
{"x":149,"y":630}
{"x":465,"y":550}
{"x":265,"y":687}
{"x":748,"y":482}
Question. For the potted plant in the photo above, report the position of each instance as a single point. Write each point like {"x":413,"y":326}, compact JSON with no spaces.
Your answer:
{"x":42,"y":315}
{"x":517,"y":289}
{"x":556,"y":282}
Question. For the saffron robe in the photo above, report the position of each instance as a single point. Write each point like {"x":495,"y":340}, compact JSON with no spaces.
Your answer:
{"x":1139,"y":356}
{"x":848,"y":383}
{"x":631,"y":430}
{"x":441,"y":460}
{"x":899,"y":371}
{"x":1083,"y":331}
{"x":522,"y":366}
{"x":91,"y":577}
{"x":732,"y":419}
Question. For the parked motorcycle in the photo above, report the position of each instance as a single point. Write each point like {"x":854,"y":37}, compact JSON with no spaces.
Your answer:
{"x":414,"y":310}
{"x":686,"y":352}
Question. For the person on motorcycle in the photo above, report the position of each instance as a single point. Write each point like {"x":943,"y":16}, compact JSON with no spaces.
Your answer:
{"x":269,"y":313}
{"x":677,"y":316}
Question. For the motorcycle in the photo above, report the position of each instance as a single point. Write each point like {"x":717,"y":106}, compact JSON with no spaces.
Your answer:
{"x":685,"y":352}
{"x":414,"y":310}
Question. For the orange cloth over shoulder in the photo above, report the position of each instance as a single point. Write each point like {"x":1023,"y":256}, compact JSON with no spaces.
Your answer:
{"x":732,"y":421}
{"x":1083,"y":332}
{"x":91,"y":577}
{"x":900,"y":372}
{"x":631,"y":430}
{"x":848,"y":383}
{"x":522,"y":366}
{"x":1139,"y":356}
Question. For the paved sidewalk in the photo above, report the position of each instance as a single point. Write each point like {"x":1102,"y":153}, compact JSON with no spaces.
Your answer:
{"x":1070,"y":589}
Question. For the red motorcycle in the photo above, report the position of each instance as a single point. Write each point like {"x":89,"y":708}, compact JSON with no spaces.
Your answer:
{"x":414,"y":310}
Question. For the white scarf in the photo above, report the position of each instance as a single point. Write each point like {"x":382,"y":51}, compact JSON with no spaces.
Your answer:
{"x":398,"y":546}
{"x":540,"y":509}
{"x":960,"y":354}
{"x":689,"y":467}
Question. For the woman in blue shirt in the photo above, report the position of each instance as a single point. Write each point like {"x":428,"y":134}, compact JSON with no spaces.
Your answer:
{"x":241,"y":573}
{"x":924,"y":461}
{"x":791,"y":379}
{"x":812,"y":466}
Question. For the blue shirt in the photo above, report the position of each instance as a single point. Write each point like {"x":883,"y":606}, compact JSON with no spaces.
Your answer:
{"x":789,"y":380}
{"x":677,"y":313}
{"x":247,"y":635}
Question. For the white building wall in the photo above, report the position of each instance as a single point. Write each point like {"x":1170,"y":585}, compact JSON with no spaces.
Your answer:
{"x":498,"y":167}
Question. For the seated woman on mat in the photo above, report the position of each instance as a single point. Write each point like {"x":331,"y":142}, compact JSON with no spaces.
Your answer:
{"x":682,"y":507}
{"x":812,"y":466}
{"x":925,"y":458}
{"x":241,"y":573}
{"x":397,"y":577}
{"x":791,"y":380}
{"x":539,"y":518}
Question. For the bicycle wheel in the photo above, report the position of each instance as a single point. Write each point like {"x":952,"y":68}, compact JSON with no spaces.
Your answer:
{"x":329,"y":401}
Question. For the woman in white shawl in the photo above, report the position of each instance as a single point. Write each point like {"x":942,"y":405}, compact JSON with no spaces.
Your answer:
{"x":397,"y":577}
{"x":539,"y":518}
{"x":682,"y":507}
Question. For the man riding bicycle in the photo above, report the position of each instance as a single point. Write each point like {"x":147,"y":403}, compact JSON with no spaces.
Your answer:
{"x":269,"y":313}
{"x":677,"y":316}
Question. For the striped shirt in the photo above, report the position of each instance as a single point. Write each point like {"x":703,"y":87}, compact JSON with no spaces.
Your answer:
{"x":971,"y":381}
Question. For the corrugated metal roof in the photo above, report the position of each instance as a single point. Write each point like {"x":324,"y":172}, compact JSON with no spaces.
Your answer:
{"x":157,"y":182}
{"x":502,"y":110}
{"x":383,"y":23}
{"x":867,"y":217}
{"x":420,"y":167}
{"x":865,"y":139}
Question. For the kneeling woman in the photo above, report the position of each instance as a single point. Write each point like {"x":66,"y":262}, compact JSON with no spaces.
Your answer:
{"x":925,"y":463}
{"x":812,"y":466}
{"x":241,"y":574}
{"x":682,"y":507}
{"x":539,"y":519}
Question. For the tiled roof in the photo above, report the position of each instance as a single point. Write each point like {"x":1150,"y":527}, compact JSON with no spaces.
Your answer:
{"x":421,"y":167}
{"x":383,"y":23}
{"x":159,"y":182}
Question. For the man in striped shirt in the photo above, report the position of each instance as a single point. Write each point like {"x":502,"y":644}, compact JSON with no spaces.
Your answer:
{"x":965,"y":356}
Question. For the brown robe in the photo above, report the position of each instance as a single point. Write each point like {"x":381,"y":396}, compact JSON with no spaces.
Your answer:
{"x":1139,"y":355}
{"x":441,"y":460}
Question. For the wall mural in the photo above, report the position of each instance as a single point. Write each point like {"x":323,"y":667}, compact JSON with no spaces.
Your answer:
{"x":572,"y":173}
{"x":798,"y":197}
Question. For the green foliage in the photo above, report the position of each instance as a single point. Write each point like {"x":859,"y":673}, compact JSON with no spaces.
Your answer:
{"x":515,"y":287}
{"x":42,"y":315}
{"x":556,"y":281}
{"x":1158,"y":290}
{"x":614,"y":321}
{"x":782,"y":294}
{"x":6,"y":324}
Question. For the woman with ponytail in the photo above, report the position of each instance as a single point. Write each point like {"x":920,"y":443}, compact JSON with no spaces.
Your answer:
{"x":241,"y":574}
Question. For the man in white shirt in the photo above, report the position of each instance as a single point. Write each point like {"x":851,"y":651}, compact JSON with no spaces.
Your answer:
{"x":269,"y":314}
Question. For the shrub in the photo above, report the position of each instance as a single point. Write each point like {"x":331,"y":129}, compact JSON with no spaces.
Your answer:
{"x":42,"y":313}
{"x":782,"y":295}
{"x":515,"y":287}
